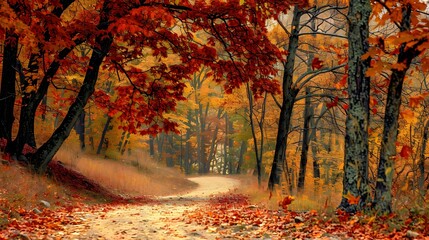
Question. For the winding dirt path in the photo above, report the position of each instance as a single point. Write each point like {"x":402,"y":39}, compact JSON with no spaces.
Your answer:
{"x":162,"y":220}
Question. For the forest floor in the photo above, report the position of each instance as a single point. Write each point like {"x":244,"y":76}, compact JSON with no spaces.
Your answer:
{"x":161,"y":219}
{"x":213,"y":209}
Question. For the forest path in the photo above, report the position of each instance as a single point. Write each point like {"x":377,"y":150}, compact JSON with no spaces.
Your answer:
{"x":160,"y":220}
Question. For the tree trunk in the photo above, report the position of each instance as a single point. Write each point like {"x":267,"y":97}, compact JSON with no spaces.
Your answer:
{"x":151,"y":146}
{"x":425,"y":138}
{"x":31,"y":100}
{"x":80,"y":130}
{"x":204,"y":166}
{"x":125,"y":145}
{"x":187,"y":155}
{"x":43,"y":107}
{"x":314,"y":143}
{"x":213,"y":145}
{"x":383,"y":188}
{"x":305,"y":141}
{"x":355,"y":181}
{"x":7,"y":89}
{"x":160,"y":145}
{"x":170,"y":151}
{"x":46,"y":152}
{"x":225,"y":148}
{"x":103,"y":134}
{"x":243,"y":149}
{"x":259,"y":149}
{"x":231,"y":154}
{"x":289,"y":96}
{"x":91,"y":138}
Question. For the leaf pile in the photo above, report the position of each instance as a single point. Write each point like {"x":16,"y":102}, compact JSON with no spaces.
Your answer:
{"x":22,"y":222}
{"x":234,"y":216}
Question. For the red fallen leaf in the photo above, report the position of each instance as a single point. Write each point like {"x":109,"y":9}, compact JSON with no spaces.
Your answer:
{"x":353,"y":200}
{"x":286,"y":202}
{"x":406,"y":151}
{"x":316,"y":63}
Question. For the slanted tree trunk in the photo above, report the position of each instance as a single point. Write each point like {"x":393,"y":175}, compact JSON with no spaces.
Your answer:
{"x":46,"y":152}
{"x":289,"y":96}
{"x":383,"y":188}
{"x":7,"y":89}
{"x":32,"y":99}
{"x":355,"y":181}
{"x":103,"y":134}
{"x":305,"y":141}
{"x":28,"y":109}
{"x":125,"y":145}
{"x":43,"y":107}
{"x":258,"y":147}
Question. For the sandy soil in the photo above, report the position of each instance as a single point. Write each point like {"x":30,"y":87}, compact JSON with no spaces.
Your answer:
{"x":162,"y":220}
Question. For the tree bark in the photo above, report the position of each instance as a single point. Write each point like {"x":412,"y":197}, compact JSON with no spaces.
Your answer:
{"x":225,"y":148}
{"x":383,"y":188}
{"x":289,"y":96}
{"x":80,"y":130}
{"x":422,"y":159}
{"x":187,"y":155}
{"x":231,"y":154}
{"x":355,"y":181}
{"x":305,"y":141}
{"x":46,"y":152}
{"x":103,"y":134}
{"x":243,"y":149}
{"x":170,"y":151}
{"x":213,"y":145}
{"x":151,"y":146}
{"x":7,"y":89}
{"x":31,"y":100}
{"x":258,"y":147}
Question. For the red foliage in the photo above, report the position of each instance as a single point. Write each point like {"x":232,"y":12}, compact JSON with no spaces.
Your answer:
{"x":406,"y":151}
{"x":316,"y":63}
{"x":232,"y":216}
{"x":333,"y":103}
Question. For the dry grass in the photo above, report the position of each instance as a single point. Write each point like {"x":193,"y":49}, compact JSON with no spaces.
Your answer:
{"x":22,"y":189}
{"x":134,"y":176}
{"x":325,"y":199}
